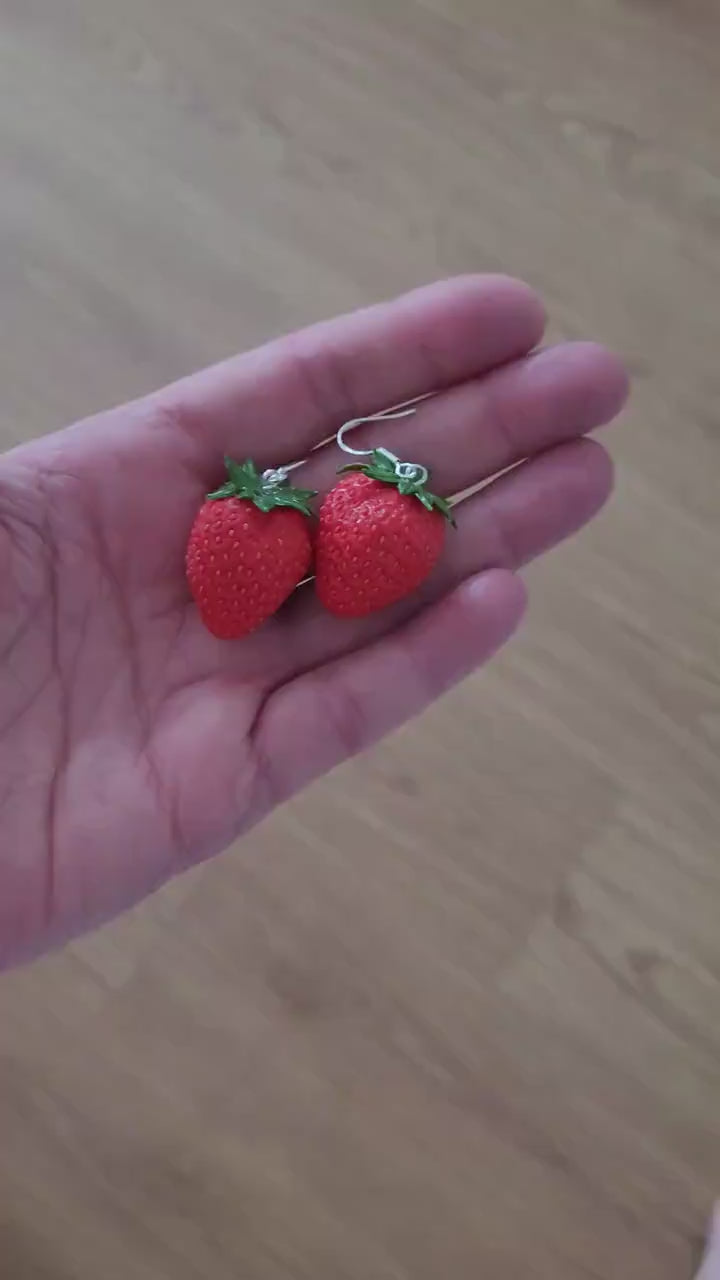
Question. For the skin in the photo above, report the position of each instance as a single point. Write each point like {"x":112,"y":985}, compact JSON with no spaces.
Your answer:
{"x":710,"y":1268}
{"x":133,"y":743}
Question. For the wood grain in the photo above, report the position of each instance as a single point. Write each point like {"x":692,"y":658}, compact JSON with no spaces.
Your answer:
{"x":456,"y":1011}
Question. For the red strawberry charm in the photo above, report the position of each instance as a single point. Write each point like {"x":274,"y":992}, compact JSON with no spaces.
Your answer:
{"x":380,"y":534}
{"x":249,"y":547}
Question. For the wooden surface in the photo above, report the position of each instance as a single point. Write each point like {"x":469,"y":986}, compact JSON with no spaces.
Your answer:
{"x":456,"y":1012}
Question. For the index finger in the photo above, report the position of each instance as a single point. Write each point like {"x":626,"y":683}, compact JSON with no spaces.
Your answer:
{"x":279,"y":401}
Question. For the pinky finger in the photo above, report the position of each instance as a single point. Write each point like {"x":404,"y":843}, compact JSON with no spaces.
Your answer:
{"x":710,"y":1269}
{"x":337,"y":710}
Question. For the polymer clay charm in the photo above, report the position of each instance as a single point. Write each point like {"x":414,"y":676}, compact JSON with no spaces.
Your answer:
{"x":249,"y":547}
{"x":381,"y":531}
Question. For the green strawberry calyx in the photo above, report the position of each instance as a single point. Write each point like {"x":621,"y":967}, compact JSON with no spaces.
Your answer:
{"x":410,"y":479}
{"x":267,"y":491}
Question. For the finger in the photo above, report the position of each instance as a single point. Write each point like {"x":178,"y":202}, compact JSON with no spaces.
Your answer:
{"x":478,"y":428}
{"x":710,"y":1269}
{"x":344,"y":707}
{"x":530,"y":509}
{"x":279,"y":401}
{"x":511,"y":521}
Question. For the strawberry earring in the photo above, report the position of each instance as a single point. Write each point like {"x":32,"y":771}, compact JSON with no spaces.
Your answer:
{"x":381,"y":531}
{"x":249,"y":547}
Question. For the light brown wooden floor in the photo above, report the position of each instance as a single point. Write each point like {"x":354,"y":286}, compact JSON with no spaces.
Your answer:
{"x":456,"y":1013}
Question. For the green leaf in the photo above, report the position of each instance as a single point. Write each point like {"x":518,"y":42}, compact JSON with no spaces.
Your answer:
{"x":441,"y":504}
{"x":297,"y":499}
{"x":380,"y":467}
{"x":352,"y":466}
{"x":244,"y":482}
{"x":225,"y":491}
{"x":243,"y":476}
{"x":302,"y":495}
{"x":382,"y":464}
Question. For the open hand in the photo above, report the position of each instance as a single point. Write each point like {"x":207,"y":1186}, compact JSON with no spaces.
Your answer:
{"x":132,"y":743}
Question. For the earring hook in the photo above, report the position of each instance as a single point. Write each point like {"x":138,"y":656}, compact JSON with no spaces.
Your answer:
{"x":405,"y":409}
{"x":384,"y":416}
{"x":403,"y":470}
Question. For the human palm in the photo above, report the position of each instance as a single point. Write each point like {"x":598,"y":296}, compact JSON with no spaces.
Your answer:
{"x":133,"y":743}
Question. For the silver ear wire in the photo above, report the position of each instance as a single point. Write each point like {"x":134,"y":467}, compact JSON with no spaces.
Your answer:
{"x":403,"y":470}
{"x":384,"y":416}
